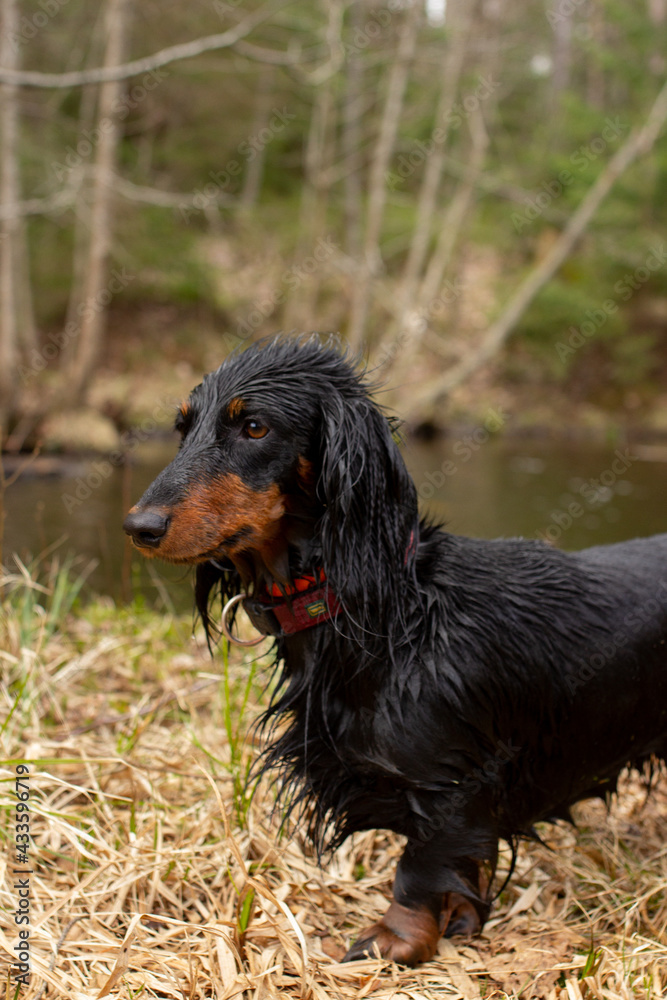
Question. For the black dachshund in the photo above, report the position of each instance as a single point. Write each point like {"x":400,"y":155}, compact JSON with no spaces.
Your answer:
{"x":453,"y":690}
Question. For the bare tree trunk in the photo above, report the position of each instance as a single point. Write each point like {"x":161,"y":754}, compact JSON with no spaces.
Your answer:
{"x":352,"y":136}
{"x":459,"y":18}
{"x":26,"y":310}
{"x":92,"y":307}
{"x":415,"y":319}
{"x":301,"y":303}
{"x":423,"y":298}
{"x":314,"y":204}
{"x":252,"y":181}
{"x":657,"y":12}
{"x":371,"y":260}
{"x":455,"y":214}
{"x":562,"y":55}
{"x":82,"y":204}
{"x":595,"y":79}
{"x":639,"y":142}
{"x":9,"y":226}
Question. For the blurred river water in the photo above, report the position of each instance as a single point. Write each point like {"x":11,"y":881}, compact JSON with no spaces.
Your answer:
{"x":570,"y":494}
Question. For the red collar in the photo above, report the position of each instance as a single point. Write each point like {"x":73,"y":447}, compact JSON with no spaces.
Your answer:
{"x":298,"y":585}
{"x":315,"y":604}
{"x":279,"y":611}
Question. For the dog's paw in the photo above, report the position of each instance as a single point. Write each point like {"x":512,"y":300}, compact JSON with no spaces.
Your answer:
{"x":405,"y":936}
{"x":459,"y":916}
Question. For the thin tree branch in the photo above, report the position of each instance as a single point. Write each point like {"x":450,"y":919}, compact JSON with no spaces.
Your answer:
{"x":455,"y":213}
{"x":174,"y":53}
{"x":87,"y":344}
{"x":167,"y":199}
{"x":40,"y":206}
{"x":639,"y":142}
{"x":412,"y":321}
{"x":461,"y":15}
{"x":352,"y":139}
{"x":371,"y":260}
{"x":274,"y":57}
{"x":66,"y":197}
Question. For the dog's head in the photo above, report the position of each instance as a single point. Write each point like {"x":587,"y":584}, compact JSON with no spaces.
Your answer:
{"x":285,"y":466}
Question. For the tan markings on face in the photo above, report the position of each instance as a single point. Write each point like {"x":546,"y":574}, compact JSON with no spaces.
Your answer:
{"x":213,"y":512}
{"x":184,"y":409}
{"x":236,"y":407}
{"x":305,"y":474}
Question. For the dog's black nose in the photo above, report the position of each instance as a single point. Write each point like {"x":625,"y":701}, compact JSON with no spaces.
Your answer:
{"x":146,"y":527}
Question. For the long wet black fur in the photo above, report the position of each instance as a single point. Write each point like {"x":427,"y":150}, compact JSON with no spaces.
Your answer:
{"x":466,"y":689}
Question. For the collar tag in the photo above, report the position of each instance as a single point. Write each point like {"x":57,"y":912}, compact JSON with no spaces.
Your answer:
{"x":311,"y":607}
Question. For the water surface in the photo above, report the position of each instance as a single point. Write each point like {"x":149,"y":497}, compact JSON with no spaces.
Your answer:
{"x":572,"y":494}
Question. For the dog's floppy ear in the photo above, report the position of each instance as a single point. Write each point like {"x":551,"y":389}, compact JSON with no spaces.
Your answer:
{"x":369,"y":527}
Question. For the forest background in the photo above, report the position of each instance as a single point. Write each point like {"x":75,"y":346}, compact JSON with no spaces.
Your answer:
{"x":468,"y":191}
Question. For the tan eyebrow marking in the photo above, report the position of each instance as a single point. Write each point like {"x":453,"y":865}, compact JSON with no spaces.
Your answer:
{"x":236,"y":407}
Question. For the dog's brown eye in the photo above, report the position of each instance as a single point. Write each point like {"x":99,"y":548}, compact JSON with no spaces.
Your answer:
{"x":254,"y":429}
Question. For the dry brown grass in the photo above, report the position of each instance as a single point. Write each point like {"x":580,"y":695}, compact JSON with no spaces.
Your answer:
{"x":154,"y":876}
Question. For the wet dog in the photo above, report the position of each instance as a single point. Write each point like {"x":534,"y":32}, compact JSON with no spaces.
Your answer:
{"x":453,"y":690}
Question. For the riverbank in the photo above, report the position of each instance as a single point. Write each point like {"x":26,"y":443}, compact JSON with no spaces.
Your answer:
{"x":147,"y":372}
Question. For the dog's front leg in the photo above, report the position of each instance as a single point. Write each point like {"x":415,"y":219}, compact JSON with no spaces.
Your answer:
{"x":424,"y":907}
